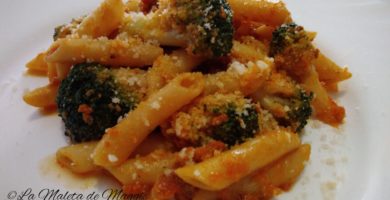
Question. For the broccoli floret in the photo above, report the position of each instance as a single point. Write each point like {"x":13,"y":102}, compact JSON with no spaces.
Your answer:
{"x":300,"y":109}
{"x":292,"y":49}
{"x":92,"y":98}
{"x":203,"y":27}
{"x":209,"y":24}
{"x":235,"y":127}
{"x":229,"y":118}
{"x":292,"y":111}
{"x":284,"y":36}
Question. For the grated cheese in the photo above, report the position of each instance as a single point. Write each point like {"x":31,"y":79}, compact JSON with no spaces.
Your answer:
{"x":146,"y":122}
{"x":134,"y":176}
{"x":133,"y":81}
{"x":115,"y":100}
{"x":167,"y":172}
{"x":112,"y":158}
{"x":197,"y":173}
{"x":155,"y":105}
{"x":238,"y":67}
{"x":182,"y":153}
{"x":138,"y":165}
{"x":261,"y":64}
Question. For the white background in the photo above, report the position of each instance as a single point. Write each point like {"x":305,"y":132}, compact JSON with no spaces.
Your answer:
{"x":351,"y":162}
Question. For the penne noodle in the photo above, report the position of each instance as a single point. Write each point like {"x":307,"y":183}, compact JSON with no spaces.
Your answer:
{"x":257,"y":29}
{"x":284,"y":171}
{"x":263,"y":11}
{"x":249,"y":49}
{"x":57,"y":71}
{"x":62,"y":70}
{"x":144,"y":169}
{"x":312,"y":35}
{"x":247,"y":72}
{"x":104,"y":20}
{"x":132,"y":52}
{"x":120,"y":141}
{"x":265,"y":182}
{"x":153,"y":142}
{"x":38,"y":64}
{"x":331,"y":87}
{"x":222,"y":82}
{"x":229,"y":81}
{"x":148,"y":168}
{"x":77,"y":157}
{"x":166,"y":67}
{"x":230,"y":166}
{"x":325,"y":109}
{"x":52,"y":73}
{"x":42,"y":97}
{"x":330,"y":72}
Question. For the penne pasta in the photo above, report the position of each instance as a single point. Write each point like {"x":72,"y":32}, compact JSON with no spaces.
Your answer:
{"x":62,"y":70}
{"x":120,"y":141}
{"x":222,"y":82}
{"x":56,"y":72}
{"x":104,"y":20}
{"x":42,"y":97}
{"x":144,"y":169}
{"x":283,"y":172}
{"x":77,"y":157}
{"x":267,"y":181}
{"x":331,"y":87}
{"x":223,"y":170}
{"x":248,"y":82}
{"x":249,"y":49}
{"x":264,"y":11}
{"x":153,"y":142}
{"x":257,"y":29}
{"x":246,"y":73}
{"x":328,"y":71}
{"x":38,"y":64}
{"x":324,"y":106}
{"x":132,"y":52}
{"x":52,"y":73}
{"x":166,"y":67}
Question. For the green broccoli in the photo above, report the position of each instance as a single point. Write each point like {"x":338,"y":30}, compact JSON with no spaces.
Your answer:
{"x":204,"y":27}
{"x":292,"y":49}
{"x":292,"y":111}
{"x":229,"y":118}
{"x":92,"y":98}
{"x":209,"y":24}
{"x":300,"y":110}
{"x":237,"y":126}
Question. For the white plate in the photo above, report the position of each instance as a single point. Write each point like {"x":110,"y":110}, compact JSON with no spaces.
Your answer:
{"x":346,"y":163}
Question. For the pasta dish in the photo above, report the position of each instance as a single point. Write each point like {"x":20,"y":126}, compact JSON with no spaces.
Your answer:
{"x":188,"y":99}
